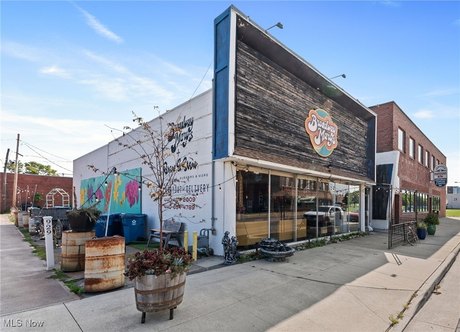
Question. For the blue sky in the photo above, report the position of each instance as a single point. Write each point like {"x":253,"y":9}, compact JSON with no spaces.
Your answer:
{"x":70,"y":71}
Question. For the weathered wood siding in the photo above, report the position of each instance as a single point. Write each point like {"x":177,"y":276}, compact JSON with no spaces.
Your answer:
{"x":271,"y":107}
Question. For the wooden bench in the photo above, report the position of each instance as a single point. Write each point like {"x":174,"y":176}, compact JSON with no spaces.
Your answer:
{"x":172,"y":230}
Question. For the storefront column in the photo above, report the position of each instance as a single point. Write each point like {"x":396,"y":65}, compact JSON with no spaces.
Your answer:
{"x":362,"y":207}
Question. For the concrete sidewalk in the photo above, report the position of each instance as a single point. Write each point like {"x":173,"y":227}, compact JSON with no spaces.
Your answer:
{"x":442,"y":311}
{"x":354,"y":285}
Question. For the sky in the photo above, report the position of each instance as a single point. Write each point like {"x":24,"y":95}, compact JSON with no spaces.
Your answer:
{"x":72,"y":73}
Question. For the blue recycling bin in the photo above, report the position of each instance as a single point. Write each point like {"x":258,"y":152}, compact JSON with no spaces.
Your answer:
{"x":115,"y":227}
{"x":133,"y":226}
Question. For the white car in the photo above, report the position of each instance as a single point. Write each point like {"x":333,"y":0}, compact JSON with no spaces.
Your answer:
{"x":326,"y":215}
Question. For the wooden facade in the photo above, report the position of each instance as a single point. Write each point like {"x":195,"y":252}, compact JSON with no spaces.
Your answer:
{"x":272,"y":102}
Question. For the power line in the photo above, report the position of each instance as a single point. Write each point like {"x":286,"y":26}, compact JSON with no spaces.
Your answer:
{"x":62,"y":159}
{"x":50,"y":161}
{"x":202,"y":79}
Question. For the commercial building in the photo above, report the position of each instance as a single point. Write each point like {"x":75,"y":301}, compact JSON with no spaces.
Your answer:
{"x":406,"y":160}
{"x":275,"y":149}
{"x":453,"y":197}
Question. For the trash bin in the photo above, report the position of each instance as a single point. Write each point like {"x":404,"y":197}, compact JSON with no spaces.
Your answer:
{"x":133,"y":226}
{"x":114,"y":228}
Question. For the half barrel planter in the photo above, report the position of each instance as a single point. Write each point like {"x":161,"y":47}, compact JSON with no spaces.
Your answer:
{"x":104,"y":264}
{"x":156,"y":293}
{"x":73,"y":250}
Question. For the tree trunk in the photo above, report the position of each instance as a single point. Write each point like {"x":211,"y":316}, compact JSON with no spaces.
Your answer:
{"x":160,"y":217}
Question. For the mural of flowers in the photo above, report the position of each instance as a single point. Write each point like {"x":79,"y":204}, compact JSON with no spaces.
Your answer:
{"x":108,"y":190}
{"x":125,"y":194}
{"x":132,"y":192}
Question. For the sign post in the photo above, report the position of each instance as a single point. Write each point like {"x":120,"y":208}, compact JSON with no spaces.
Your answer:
{"x":440,"y":175}
{"x":49,"y":243}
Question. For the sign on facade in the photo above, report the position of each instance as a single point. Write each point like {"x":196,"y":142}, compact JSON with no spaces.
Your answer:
{"x":440,"y":175}
{"x":323,"y":132}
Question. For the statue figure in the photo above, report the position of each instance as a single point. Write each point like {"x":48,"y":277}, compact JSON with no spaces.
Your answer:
{"x":230,"y":252}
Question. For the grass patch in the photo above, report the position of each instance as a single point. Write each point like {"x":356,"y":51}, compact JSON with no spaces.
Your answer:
{"x":142,"y":245}
{"x":71,"y":284}
{"x":250,"y":256}
{"x":40,"y":251}
{"x":453,"y":213}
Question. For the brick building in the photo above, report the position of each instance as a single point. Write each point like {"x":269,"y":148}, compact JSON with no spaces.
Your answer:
{"x":405,"y":162}
{"x":28,"y":186}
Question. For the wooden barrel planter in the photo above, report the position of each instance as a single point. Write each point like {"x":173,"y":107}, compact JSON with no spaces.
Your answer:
{"x":104,"y":264}
{"x":156,"y":293}
{"x":73,"y":250}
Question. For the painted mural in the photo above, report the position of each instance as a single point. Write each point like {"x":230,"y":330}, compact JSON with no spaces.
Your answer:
{"x":124,"y":187}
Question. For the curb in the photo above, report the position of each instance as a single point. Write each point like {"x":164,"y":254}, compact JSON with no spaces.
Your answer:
{"x":423,"y":294}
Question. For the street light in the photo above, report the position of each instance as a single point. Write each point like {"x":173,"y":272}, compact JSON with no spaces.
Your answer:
{"x":341,"y":75}
{"x":278,"y":25}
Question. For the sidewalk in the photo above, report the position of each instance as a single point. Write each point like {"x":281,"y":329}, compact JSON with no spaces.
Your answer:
{"x":442,"y":311}
{"x":354,"y":285}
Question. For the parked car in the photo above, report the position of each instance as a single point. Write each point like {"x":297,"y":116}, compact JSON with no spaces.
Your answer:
{"x":326,"y":215}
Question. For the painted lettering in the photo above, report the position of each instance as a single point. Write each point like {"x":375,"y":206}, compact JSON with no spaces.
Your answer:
{"x":323,"y":132}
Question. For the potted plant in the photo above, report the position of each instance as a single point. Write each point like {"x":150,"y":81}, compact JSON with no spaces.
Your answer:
{"x":83,"y":219}
{"x":421,"y":230}
{"x":432,"y":219}
{"x":159,"y":279}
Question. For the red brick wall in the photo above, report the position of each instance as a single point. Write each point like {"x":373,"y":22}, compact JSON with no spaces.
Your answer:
{"x":44,"y":185}
{"x":385,"y":132}
{"x":412,"y":174}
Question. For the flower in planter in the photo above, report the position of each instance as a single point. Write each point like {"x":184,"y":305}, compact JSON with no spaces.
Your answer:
{"x":431,"y":219}
{"x":83,"y":219}
{"x":157,"y":262}
{"x":421,"y":225}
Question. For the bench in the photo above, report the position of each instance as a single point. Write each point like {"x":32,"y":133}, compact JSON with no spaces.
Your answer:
{"x":172,"y":230}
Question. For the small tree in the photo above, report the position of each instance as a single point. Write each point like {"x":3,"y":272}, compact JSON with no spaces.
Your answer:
{"x":158,"y":151}
{"x":31,"y":167}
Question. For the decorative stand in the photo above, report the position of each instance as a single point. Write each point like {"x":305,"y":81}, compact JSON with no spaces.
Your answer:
{"x":275,"y":250}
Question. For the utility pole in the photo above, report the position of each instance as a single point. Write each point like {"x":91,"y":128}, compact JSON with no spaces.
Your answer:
{"x":4,"y":182}
{"x":15,"y":185}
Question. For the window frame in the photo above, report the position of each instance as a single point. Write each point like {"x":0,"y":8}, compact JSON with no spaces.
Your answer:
{"x":401,"y":140}
{"x":420,"y":153}
{"x":411,"y":148}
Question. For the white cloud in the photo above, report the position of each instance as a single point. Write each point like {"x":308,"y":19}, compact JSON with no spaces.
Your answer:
{"x":442,"y":92}
{"x":126,"y":86}
{"x":76,"y":137}
{"x":424,"y":114}
{"x":55,"y":71}
{"x":21,"y":51}
{"x":390,"y":3}
{"x":112,"y":88}
{"x":99,"y":28}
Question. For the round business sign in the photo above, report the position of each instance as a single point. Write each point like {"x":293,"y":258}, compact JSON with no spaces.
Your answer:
{"x":323,"y":132}
{"x":440,"y":175}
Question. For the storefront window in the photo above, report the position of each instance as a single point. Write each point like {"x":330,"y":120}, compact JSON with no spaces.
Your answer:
{"x":352,"y":209}
{"x":268,"y":205}
{"x":421,"y":201}
{"x":251,"y":208}
{"x":282,"y":199}
{"x":408,"y":200}
{"x":435,"y":203}
{"x":307,"y":196}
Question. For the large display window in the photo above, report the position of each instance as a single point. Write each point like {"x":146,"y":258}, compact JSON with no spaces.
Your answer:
{"x":291,"y":208}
